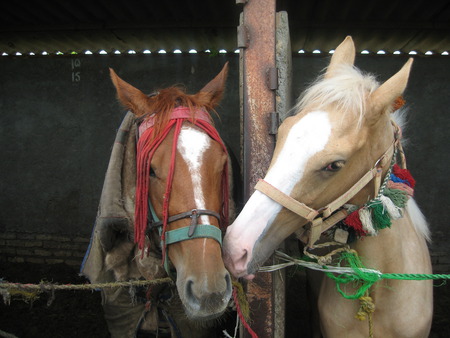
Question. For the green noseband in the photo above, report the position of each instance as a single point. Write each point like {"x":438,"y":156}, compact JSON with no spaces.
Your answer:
{"x":194,"y":230}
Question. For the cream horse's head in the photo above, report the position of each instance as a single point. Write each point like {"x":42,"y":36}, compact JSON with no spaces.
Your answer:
{"x":341,"y":127}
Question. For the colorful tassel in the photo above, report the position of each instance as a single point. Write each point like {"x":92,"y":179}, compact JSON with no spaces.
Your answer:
{"x":378,"y":213}
{"x":393,"y":211}
{"x":401,"y":186}
{"x":366,"y":219}
{"x":353,"y":221}
{"x":404,"y":175}
{"x":380,"y":216}
{"x":398,"y":197}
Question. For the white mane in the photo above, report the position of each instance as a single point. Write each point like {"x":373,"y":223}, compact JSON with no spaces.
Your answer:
{"x":347,"y":89}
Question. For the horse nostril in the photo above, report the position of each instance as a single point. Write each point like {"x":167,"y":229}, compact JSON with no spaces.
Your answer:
{"x":229,"y":286}
{"x":190,"y":295}
{"x":241,"y":262}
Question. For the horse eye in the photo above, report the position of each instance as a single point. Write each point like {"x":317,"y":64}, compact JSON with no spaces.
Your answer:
{"x":334,"y":166}
{"x":152,"y":172}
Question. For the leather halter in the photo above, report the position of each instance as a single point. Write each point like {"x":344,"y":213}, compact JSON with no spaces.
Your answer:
{"x":324,"y":218}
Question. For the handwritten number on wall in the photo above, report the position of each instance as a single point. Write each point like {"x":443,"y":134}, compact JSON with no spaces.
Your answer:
{"x":76,"y":70}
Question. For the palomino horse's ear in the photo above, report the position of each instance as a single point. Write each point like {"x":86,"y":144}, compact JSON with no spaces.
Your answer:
{"x":343,"y":54}
{"x":129,"y":96}
{"x":385,"y":95}
{"x":215,"y":88}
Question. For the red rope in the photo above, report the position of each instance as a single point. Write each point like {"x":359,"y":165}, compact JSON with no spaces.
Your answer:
{"x":166,"y":197}
{"x":145,"y":150}
{"x":241,"y":316}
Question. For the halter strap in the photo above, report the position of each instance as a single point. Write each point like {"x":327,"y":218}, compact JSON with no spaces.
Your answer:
{"x":194,"y":230}
{"x":328,"y":216}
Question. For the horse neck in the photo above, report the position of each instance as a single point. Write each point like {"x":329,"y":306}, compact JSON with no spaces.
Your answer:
{"x":402,"y":248}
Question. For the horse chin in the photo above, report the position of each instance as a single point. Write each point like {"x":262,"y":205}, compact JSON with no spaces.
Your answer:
{"x":202,"y":306}
{"x":205,"y":315}
{"x":205,"y":320}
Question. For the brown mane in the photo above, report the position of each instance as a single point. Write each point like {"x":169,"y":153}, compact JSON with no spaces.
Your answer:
{"x":166,"y":100}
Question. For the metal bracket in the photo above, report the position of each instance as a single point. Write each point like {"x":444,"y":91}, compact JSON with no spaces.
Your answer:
{"x":243,"y":38}
{"x":274,"y":123}
{"x":272,"y":78}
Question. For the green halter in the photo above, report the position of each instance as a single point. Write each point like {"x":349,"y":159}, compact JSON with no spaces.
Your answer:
{"x":186,"y":233}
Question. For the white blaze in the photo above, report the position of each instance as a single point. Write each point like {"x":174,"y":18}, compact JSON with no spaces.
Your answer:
{"x":192,"y":143}
{"x":305,"y":138}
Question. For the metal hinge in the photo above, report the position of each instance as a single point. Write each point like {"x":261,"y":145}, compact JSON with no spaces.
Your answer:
{"x":272,"y":78}
{"x":274,"y":123}
{"x":243,"y":38}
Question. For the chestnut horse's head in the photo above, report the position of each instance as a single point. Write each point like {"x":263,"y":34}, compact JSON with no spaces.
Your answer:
{"x":340,"y":129}
{"x":184,"y":171}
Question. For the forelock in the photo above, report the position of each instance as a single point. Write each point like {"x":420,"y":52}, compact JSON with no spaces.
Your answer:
{"x":347,"y":90}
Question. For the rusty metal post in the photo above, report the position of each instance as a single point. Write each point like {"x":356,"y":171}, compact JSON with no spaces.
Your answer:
{"x":258,"y":82}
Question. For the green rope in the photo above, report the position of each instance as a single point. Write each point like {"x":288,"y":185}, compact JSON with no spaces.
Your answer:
{"x":350,"y":271}
{"x":362,"y":279}
{"x":414,"y":276}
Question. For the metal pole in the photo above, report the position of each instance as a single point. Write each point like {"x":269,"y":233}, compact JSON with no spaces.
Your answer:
{"x":258,"y":82}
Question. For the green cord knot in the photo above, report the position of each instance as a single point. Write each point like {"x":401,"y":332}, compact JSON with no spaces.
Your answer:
{"x":362,"y":279}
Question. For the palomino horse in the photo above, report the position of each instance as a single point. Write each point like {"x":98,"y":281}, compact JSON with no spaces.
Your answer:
{"x":336,"y":155}
{"x":182,"y":201}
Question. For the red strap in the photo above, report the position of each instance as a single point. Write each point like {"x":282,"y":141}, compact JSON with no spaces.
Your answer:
{"x":178,"y":113}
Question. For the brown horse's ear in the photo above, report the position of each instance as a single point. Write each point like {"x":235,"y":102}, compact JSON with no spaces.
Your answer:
{"x":129,"y":96}
{"x":343,"y":54}
{"x":383,"y":98}
{"x":215,"y":88}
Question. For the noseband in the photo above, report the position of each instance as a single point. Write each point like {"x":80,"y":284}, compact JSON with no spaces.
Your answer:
{"x":194,"y":230}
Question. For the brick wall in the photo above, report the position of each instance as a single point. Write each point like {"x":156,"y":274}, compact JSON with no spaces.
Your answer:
{"x":440,"y":261}
{"x":54,"y":249}
{"x":42,"y":248}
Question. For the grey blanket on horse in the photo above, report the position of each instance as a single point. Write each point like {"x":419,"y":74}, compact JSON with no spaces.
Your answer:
{"x":114,"y":220}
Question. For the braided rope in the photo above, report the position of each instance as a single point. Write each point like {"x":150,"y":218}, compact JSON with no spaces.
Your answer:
{"x":45,"y":286}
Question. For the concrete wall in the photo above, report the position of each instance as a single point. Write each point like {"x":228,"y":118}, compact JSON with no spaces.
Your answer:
{"x":58,"y":120}
{"x":59,"y":116}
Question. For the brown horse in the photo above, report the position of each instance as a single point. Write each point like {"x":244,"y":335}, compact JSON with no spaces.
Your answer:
{"x":181,"y":202}
{"x":337,"y":158}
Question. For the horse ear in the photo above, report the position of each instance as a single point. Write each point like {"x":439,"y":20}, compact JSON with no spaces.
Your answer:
{"x":385,"y":95}
{"x":215,"y":88}
{"x":343,"y":54}
{"x":129,"y":96}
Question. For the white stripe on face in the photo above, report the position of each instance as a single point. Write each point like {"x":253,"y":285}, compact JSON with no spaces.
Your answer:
{"x":305,"y":138}
{"x":192,"y":143}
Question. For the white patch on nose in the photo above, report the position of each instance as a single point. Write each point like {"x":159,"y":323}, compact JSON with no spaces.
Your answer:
{"x":305,"y":138}
{"x":192,"y":144}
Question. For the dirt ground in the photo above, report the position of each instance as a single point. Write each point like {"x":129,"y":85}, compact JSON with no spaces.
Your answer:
{"x":79,"y":313}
